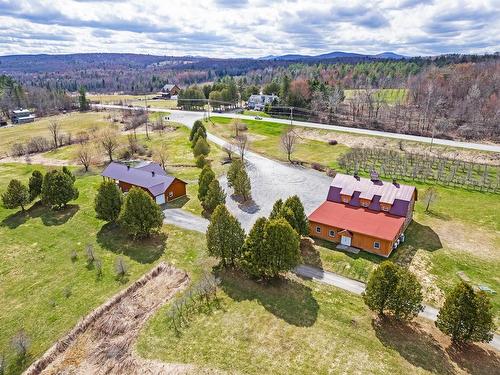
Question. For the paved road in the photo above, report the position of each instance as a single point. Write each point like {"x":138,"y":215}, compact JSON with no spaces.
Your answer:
{"x":406,"y":137}
{"x":270,"y":180}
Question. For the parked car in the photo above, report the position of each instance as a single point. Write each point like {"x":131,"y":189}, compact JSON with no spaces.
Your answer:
{"x":258,"y":118}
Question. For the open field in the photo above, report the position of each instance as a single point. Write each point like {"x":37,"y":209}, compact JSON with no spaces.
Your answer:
{"x":70,"y":123}
{"x":390,"y":96}
{"x":134,"y":100}
{"x":300,"y":327}
{"x":37,"y":273}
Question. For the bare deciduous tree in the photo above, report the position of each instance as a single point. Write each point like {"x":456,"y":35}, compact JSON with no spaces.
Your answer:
{"x":109,"y":141}
{"x":430,"y":196}
{"x":20,"y":343}
{"x":288,"y":141}
{"x":55,"y":129}
{"x":241,"y":143}
{"x":85,"y":156}
{"x":160,"y":155}
{"x":229,"y":149}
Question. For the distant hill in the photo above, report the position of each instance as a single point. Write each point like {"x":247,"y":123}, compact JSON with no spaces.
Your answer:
{"x":334,"y":55}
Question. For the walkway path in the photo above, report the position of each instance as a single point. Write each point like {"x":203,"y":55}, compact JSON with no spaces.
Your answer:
{"x":406,"y":137}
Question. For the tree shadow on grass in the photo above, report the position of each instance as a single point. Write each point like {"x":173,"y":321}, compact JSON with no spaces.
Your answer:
{"x":49,"y":217}
{"x":285,"y":298}
{"x":414,"y":344}
{"x":145,"y":250}
{"x":475,"y":359}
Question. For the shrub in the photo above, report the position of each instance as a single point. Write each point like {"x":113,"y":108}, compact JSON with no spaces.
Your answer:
{"x":198,"y":124}
{"x":16,"y":195}
{"x":225,"y":236}
{"x":332,"y":142}
{"x":201,"y":161}
{"x":297,"y":217}
{"x":89,"y":250}
{"x":108,"y":201}
{"x":318,"y":167}
{"x":140,"y":215}
{"x":234,"y":168}
{"x":35,"y":184}
{"x":121,"y":268}
{"x":20,"y":343}
{"x":466,"y":315}
{"x":18,"y":149}
{"x":58,"y":188}
{"x":73,"y":256}
{"x":242,"y":186}
{"x":98,"y":268}
{"x":200,"y":133}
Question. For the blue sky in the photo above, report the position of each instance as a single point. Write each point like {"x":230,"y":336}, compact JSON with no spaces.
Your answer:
{"x":249,"y":28}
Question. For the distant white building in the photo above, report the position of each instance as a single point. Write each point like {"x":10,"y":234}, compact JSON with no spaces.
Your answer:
{"x":22,"y":116}
{"x":258,"y":102}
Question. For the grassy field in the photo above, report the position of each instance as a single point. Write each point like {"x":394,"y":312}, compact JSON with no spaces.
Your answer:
{"x":37,"y":271}
{"x":135,"y":100}
{"x":299,"y":327}
{"x":70,"y":123}
{"x":390,"y":96}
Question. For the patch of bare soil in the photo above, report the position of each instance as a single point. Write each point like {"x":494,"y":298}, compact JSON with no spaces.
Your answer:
{"x":420,"y":266}
{"x":459,"y":236}
{"x":103,"y":342}
{"x":392,"y":144}
{"x":37,"y":159}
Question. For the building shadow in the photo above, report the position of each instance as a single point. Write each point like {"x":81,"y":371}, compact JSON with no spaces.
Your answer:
{"x":145,"y":250}
{"x":475,"y":360}
{"x":285,"y":298}
{"x":414,"y":344}
{"x":49,"y":217}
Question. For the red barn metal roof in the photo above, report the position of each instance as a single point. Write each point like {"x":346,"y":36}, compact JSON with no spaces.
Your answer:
{"x":358,"y":219}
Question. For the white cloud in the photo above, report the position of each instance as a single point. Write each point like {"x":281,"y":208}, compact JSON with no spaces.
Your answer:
{"x":252,"y":28}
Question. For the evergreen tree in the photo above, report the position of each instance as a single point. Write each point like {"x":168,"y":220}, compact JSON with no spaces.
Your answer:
{"x":207,"y":175}
{"x":282,"y":248}
{"x":225,"y":237}
{"x":234,"y":168}
{"x":108,"y":201}
{"x":16,"y":195}
{"x":198,"y":124}
{"x":255,"y":255}
{"x":242,"y":186}
{"x":82,"y":99}
{"x":466,"y":315}
{"x":276,"y":211}
{"x":35,"y":184}
{"x":298,"y":220}
{"x":140,"y":216}
{"x":199,"y":134}
{"x":58,"y":188}
{"x":215,"y":196}
{"x":66,"y":170}
{"x":393,"y":289}
{"x":201,"y":148}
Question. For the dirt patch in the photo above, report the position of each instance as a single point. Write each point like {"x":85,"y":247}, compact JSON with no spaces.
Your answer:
{"x":37,"y":159}
{"x":459,"y":236}
{"x":102,"y":343}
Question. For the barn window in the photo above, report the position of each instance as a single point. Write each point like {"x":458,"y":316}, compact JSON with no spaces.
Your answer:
{"x":385,"y":208}
{"x":364,"y":203}
{"x":376,"y":245}
{"x":170,"y":194}
{"x":318,"y":229}
{"x":331,"y":233}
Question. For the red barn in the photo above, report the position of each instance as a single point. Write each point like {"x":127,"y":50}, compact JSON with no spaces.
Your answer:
{"x":368,"y":214}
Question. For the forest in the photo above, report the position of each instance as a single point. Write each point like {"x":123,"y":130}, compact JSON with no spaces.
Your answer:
{"x":449,"y":96}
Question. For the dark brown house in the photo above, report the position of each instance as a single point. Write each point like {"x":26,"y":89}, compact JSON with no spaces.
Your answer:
{"x":148,"y":176}
{"x":169,"y":90}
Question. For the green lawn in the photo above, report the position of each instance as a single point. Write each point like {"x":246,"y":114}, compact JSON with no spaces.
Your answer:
{"x":36,"y":268}
{"x":255,"y":113}
{"x":300,"y":327}
{"x":390,"y":96}
{"x":70,"y":123}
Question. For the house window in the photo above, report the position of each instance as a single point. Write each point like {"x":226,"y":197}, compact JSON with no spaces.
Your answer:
{"x":331,"y":233}
{"x":376,"y":245}
{"x":345,"y":199}
{"x":318,"y":229}
{"x":170,"y":194}
{"x":385,"y":208}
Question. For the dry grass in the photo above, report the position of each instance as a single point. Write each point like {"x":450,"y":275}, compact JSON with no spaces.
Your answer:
{"x":103,"y":340}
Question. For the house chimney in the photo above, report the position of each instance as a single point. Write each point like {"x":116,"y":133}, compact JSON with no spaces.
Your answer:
{"x":374,"y":176}
{"x":153,"y":173}
{"x":356,"y":175}
{"x":395,"y":182}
